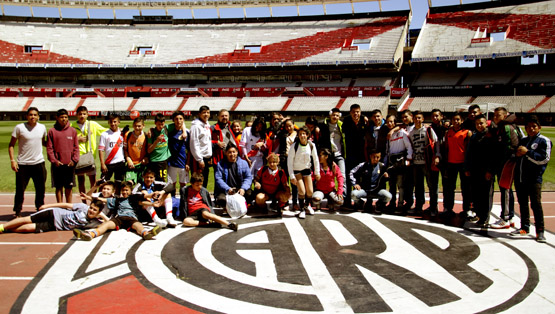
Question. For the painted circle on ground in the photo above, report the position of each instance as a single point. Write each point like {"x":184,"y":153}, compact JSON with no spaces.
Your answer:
{"x":336,"y":263}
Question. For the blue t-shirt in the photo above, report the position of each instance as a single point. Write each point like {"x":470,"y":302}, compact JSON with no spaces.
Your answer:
{"x":178,"y":147}
{"x":123,"y":207}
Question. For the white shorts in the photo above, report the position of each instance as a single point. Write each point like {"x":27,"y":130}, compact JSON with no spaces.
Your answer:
{"x":173,"y":172}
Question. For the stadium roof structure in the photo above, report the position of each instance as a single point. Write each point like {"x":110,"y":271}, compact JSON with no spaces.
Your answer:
{"x":173,"y":5}
{"x":487,"y":30}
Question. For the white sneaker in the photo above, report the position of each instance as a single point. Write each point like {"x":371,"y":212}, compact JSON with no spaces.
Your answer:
{"x":309,"y":209}
{"x":159,"y":222}
{"x":302,"y":215}
{"x":500,"y":224}
{"x":470,"y":214}
{"x":171,"y":222}
{"x":287,"y":213}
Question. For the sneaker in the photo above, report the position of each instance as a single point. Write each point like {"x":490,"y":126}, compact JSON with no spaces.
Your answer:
{"x":287,"y":213}
{"x":302,"y":214}
{"x":309,"y":210}
{"x":473,"y":219}
{"x":83,"y":235}
{"x":500,"y":224}
{"x":540,"y":237}
{"x":150,"y":234}
{"x":470,"y":214}
{"x":233,"y":226}
{"x":519,"y":233}
{"x":159,"y":222}
{"x":511,"y":223}
{"x":171,"y":222}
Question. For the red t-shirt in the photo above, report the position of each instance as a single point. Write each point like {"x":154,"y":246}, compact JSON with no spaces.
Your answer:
{"x":270,"y":182}
{"x":194,"y":201}
{"x":456,"y":145}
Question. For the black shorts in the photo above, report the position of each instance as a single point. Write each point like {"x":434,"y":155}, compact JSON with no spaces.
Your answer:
{"x":160,"y":169}
{"x":63,"y":177}
{"x":304,"y":172}
{"x":44,"y":221}
{"x":197,"y":215}
{"x":123,"y":222}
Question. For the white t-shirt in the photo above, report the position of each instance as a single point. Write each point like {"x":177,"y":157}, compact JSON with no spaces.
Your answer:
{"x":107,"y":143}
{"x":29,"y":139}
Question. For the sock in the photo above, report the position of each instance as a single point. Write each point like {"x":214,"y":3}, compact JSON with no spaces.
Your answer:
{"x":94,"y":233}
{"x":144,"y":232}
{"x":301,"y":202}
{"x":169,"y":207}
{"x":1,"y":228}
{"x":152,"y":213}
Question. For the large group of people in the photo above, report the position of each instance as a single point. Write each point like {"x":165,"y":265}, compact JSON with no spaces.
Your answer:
{"x":279,"y":167}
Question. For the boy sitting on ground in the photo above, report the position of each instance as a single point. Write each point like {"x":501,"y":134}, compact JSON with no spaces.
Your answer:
{"x":197,"y":205}
{"x":57,"y":217}
{"x":125,"y":218}
{"x":156,"y":193}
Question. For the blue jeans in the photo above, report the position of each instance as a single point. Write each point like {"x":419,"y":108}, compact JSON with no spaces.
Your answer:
{"x":383,"y":196}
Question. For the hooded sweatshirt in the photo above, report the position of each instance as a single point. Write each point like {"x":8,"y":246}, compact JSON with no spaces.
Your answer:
{"x":62,"y":144}
{"x":201,"y":140}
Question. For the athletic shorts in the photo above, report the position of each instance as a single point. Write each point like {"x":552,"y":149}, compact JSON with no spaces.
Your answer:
{"x":63,"y":177}
{"x":89,"y":174}
{"x":304,"y":172}
{"x":123,"y":222}
{"x":160,"y":169}
{"x":44,"y":221}
{"x":197,"y":215}
{"x":173,"y":172}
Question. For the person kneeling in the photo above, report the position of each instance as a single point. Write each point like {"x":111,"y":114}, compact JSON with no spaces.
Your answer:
{"x":197,"y":205}
{"x":368,"y":180}
{"x":326,"y":187}
{"x":271,"y":183}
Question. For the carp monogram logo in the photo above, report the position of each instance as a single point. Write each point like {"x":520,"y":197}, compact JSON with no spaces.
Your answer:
{"x":354,"y":263}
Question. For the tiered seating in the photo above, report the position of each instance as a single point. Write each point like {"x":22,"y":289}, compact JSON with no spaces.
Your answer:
{"x":537,"y":76}
{"x":373,"y":81}
{"x":487,"y":78}
{"x":254,"y":104}
{"x":447,"y":35}
{"x":13,"y":104}
{"x":158,"y":103}
{"x":270,"y":84}
{"x":445,"y":104}
{"x":344,"y":83}
{"x":438,"y":79}
{"x":214,"y":103}
{"x":367,"y":104}
{"x":293,"y":41}
{"x":511,"y":103}
{"x":108,"y":103}
{"x":54,"y":104}
{"x":547,"y":107}
{"x":322,"y":104}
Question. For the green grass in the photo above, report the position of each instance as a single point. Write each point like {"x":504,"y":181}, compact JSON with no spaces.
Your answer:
{"x":7,"y":184}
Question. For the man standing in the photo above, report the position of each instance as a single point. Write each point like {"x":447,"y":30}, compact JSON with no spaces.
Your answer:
{"x":473,"y":112}
{"x":201,"y":143}
{"x":221,"y":137}
{"x":30,"y":161}
{"x":331,"y":137}
{"x":84,"y":129}
{"x":110,"y":151}
{"x":354,"y":128}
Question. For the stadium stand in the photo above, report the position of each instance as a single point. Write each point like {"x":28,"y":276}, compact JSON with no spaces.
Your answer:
{"x":108,"y":103}
{"x":547,"y":107}
{"x":313,"y":104}
{"x":373,"y":81}
{"x":13,"y":104}
{"x":255,"y":104}
{"x":158,"y":103}
{"x":367,"y":104}
{"x":489,"y":77}
{"x":53,"y":104}
{"x":451,"y":34}
{"x":214,"y":103}
{"x":445,"y":104}
{"x":447,"y":78}
{"x":120,"y":45}
{"x":536,"y":76}
{"x":511,"y":103}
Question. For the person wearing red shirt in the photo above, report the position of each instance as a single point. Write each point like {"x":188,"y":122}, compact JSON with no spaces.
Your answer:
{"x":271,"y":183}
{"x":326,"y":187}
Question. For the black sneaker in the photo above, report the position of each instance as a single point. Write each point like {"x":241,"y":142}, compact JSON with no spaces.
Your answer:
{"x":540,"y":237}
{"x":233,"y":226}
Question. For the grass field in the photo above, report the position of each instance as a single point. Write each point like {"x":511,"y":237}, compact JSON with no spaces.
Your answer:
{"x":7,"y":184}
